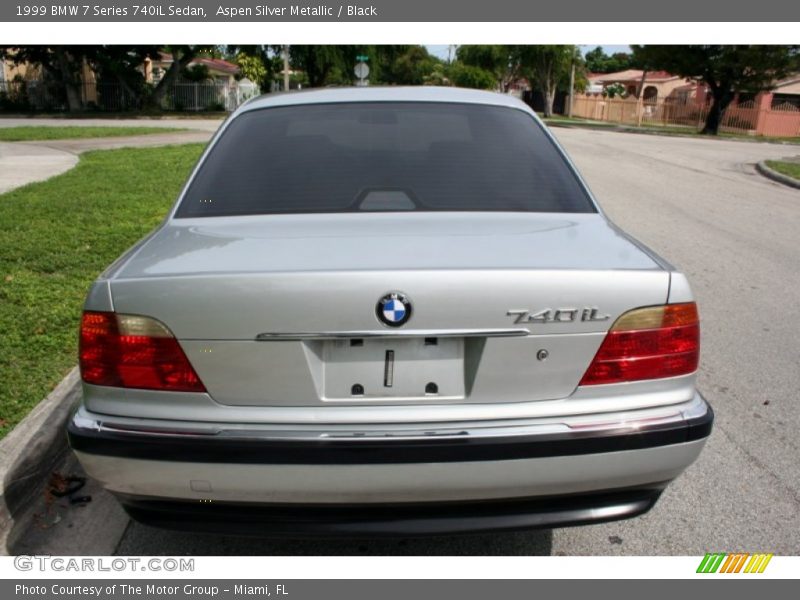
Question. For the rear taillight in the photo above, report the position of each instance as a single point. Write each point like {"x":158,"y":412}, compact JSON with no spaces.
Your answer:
{"x":648,"y":343}
{"x":131,"y":351}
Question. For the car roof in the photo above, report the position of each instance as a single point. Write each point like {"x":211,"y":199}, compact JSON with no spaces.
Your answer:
{"x":384,"y":94}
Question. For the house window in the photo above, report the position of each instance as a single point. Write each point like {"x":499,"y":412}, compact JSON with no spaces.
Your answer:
{"x":650,"y":94}
{"x":785,"y":99}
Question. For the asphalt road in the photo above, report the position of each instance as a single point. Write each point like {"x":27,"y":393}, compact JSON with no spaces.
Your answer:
{"x":700,"y":204}
{"x":736,"y":235}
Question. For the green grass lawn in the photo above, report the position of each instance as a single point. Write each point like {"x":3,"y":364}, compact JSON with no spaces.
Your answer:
{"x":792,"y":169}
{"x":33,"y":133}
{"x":56,"y":236}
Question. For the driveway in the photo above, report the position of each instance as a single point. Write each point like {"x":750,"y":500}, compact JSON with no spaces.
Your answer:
{"x":701,"y":204}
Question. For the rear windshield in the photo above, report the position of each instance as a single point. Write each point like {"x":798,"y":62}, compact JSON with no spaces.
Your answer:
{"x":381,"y":156}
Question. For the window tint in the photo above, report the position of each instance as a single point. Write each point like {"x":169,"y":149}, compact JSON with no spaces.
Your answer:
{"x":353,"y":157}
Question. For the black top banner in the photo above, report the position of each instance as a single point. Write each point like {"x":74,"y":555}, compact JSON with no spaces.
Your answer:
{"x":396,"y":10}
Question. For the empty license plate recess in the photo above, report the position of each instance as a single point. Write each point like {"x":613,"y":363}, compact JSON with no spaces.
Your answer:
{"x":409,"y":368}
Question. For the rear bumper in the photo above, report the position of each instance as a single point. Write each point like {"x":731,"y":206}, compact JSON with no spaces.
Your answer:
{"x":327,"y":480}
{"x":412,"y":519}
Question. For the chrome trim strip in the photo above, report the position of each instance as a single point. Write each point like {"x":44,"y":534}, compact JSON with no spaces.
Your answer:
{"x":574,"y":427}
{"x":415,"y":333}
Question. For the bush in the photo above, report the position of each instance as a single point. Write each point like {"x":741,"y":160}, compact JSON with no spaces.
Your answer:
{"x":614,"y":90}
{"x":196,"y":73}
{"x":467,"y":76}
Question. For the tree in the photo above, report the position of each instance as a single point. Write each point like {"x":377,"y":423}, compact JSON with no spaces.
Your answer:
{"x":258,"y":63}
{"x":322,"y":65}
{"x":502,"y":62}
{"x":65,"y":67}
{"x":121,"y":65}
{"x":252,"y":68}
{"x":388,"y":64}
{"x":597,"y":61}
{"x":413,"y":67}
{"x":726,"y":70}
{"x":438,"y":76}
{"x":399,"y":64}
{"x":182,"y":56}
{"x":546,"y":66}
{"x":62,"y":65}
{"x":615,"y":89}
{"x":469,"y":76}
{"x":196,"y":73}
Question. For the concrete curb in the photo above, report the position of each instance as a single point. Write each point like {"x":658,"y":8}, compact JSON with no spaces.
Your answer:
{"x":762,"y":168}
{"x":30,"y":452}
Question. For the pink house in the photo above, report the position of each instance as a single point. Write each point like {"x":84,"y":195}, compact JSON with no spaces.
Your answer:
{"x":670,"y":99}
{"x":657,"y":84}
{"x":219,"y":70}
{"x":779,"y":109}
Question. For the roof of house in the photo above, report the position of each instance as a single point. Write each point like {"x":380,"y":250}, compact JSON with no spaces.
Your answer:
{"x":214,"y":64}
{"x":687,"y":86}
{"x":217,"y":64}
{"x":632,"y":75}
{"x":791,"y":80}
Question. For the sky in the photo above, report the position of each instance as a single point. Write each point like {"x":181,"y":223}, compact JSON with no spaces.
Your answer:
{"x":441,"y":49}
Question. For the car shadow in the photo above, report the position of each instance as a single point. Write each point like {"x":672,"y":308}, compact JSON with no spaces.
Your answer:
{"x":143,"y":540}
{"x":100,"y":527}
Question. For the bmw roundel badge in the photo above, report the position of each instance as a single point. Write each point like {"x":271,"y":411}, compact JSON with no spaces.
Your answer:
{"x":394,"y":309}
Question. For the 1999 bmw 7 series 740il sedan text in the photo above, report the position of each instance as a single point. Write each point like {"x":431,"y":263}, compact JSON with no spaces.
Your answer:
{"x":387,"y":311}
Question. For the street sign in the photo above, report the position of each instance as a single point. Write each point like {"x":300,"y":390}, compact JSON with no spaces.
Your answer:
{"x":362,"y":70}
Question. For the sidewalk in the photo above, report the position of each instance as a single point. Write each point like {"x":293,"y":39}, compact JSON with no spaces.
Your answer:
{"x":21,"y":164}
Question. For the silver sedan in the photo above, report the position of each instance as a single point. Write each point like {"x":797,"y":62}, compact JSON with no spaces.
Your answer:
{"x":387,"y":311}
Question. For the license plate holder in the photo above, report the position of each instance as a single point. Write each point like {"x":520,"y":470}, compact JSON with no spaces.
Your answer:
{"x":394,"y":368}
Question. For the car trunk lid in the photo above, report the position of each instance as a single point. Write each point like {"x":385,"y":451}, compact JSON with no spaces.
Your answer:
{"x":281,"y":310}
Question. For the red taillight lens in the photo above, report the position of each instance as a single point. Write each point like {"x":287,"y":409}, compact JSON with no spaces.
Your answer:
{"x":133,"y":352}
{"x":648,"y":343}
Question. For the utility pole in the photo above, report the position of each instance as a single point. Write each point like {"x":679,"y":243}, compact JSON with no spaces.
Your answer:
{"x":285,"y":53}
{"x":571,"y":89}
{"x":640,"y":99}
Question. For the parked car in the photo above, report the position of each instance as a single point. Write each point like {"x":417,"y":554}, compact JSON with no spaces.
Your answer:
{"x":387,"y":311}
